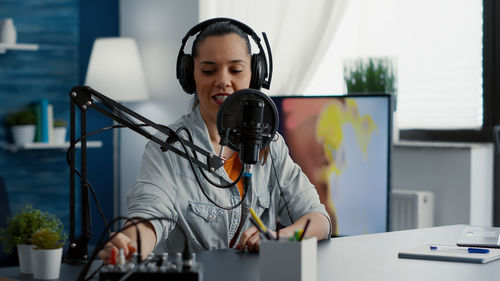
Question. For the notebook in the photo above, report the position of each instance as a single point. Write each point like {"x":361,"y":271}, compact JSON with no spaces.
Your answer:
{"x":449,"y":253}
{"x":478,"y":236}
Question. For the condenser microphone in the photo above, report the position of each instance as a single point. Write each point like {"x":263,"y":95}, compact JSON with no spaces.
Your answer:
{"x":247,"y":120}
{"x":251,"y":130}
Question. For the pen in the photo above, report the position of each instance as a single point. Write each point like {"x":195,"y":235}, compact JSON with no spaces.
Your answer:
{"x":305,"y":229}
{"x":278,"y":226}
{"x":261,"y":226}
{"x":461,"y":249}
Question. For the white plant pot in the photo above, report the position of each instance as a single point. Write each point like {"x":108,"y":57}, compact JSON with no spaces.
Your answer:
{"x":8,"y":33}
{"x":23,"y":134}
{"x":59,"y":135}
{"x":24,"y":253}
{"x":46,"y":263}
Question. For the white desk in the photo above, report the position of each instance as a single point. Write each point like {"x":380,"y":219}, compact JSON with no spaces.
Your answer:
{"x":375,"y":257}
{"x":364,"y":257}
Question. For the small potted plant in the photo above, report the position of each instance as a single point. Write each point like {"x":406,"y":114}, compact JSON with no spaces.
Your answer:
{"x":47,"y":254}
{"x":19,"y":230}
{"x":372,"y":75}
{"x":23,"y":126}
{"x":60,"y":130}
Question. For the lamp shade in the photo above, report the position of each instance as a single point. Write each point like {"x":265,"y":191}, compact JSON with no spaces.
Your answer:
{"x":115,"y":69}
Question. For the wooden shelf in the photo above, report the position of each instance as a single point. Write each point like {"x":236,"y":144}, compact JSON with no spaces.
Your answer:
{"x":19,"y":47}
{"x":42,"y":145}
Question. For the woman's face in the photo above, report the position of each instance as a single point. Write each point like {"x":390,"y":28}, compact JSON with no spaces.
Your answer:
{"x":221,"y":67}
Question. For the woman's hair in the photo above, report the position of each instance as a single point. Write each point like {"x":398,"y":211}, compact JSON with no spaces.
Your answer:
{"x":216,"y":29}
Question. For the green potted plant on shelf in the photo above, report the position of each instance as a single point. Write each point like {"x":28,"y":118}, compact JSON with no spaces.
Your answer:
{"x":372,"y":74}
{"x":47,"y":253}
{"x":20,"y":229}
{"x":60,"y":130}
{"x":23,"y":126}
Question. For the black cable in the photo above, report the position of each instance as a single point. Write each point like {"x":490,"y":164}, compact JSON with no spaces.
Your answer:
{"x":195,"y":155}
{"x":279,"y":186}
{"x":94,"y":133}
{"x":100,"y":244}
{"x":200,"y":185}
{"x":92,"y":190}
{"x":95,"y":272}
{"x":176,"y":135}
{"x":101,"y":212}
{"x":130,"y":272}
{"x":139,"y":247}
{"x":134,"y":222}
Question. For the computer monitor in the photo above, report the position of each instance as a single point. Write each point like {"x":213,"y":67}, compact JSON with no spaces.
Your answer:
{"x":343,"y":144}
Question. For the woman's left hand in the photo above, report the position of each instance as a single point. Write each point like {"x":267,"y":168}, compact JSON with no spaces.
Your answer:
{"x":250,"y":239}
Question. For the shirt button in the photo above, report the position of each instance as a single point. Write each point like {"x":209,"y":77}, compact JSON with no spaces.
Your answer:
{"x":236,"y":216}
{"x":210,"y":217}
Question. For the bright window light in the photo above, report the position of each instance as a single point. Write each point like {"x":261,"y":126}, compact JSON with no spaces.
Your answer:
{"x":438,"y":49}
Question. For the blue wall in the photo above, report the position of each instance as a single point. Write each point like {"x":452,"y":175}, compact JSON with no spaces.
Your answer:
{"x":64,"y":31}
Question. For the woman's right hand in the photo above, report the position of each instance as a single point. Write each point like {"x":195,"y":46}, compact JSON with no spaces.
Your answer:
{"x":120,"y":241}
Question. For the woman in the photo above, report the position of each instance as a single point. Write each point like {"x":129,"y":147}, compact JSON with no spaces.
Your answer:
{"x":166,"y":187}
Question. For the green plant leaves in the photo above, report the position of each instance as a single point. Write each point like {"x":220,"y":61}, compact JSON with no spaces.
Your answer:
{"x":45,"y":238}
{"x":22,"y":226}
{"x":377,"y":75}
{"x":21,"y":117}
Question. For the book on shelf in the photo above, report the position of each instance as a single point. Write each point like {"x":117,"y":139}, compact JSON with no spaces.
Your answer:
{"x":50,"y":123}
{"x":44,"y":112}
{"x":38,"y":113}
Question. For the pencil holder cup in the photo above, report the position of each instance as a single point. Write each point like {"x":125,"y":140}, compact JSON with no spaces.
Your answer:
{"x":288,"y":260}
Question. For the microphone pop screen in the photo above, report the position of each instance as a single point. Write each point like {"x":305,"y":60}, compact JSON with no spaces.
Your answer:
{"x":247,"y":120}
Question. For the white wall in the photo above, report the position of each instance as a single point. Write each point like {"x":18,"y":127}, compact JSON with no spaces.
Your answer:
{"x":460,"y":176}
{"x":158,"y":26}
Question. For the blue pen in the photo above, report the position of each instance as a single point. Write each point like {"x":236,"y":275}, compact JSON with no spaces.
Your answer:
{"x":470,"y":250}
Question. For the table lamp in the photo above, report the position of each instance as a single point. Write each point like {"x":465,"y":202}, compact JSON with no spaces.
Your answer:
{"x":115,"y":69}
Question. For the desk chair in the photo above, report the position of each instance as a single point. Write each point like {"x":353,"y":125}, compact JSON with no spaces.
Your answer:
{"x":5,"y":259}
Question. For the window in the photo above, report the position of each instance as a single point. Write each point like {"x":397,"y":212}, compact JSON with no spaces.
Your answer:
{"x":438,"y":46}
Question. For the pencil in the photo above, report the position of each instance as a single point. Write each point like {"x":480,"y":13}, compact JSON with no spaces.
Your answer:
{"x":260,"y":226}
{"x":257,"y":220}
{"x":256,"y":225}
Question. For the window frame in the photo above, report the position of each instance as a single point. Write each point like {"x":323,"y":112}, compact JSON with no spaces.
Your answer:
{"x":491,"y":102}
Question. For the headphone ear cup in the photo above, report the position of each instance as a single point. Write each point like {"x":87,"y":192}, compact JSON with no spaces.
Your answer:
{"x":259,"y":69}
{"x":186,"y":76}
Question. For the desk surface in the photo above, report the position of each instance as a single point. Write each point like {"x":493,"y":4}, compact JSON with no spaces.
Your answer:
{"x":364,"y":257}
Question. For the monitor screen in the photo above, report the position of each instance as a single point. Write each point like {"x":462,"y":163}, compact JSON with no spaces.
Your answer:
{"x":343,"y":144}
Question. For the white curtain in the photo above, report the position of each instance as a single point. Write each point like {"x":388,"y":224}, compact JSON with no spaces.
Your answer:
{"x":299,"y":33}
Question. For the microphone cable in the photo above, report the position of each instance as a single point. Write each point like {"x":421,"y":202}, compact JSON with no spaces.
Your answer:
{"x":100,"y":244}
{"x":279,"y":186}
{"x":201,"y":186}
{"x":195,"y":155}
{"x":134,"y":222}
{"x":176,"y":135}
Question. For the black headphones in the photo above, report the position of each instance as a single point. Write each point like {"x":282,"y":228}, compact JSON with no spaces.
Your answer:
{"x":258,"y":65}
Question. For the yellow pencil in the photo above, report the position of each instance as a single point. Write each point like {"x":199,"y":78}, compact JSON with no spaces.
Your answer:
{"x":257,"y":220}
{"x":262,"y":227}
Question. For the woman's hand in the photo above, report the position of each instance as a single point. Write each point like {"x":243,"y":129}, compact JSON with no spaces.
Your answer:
{"x":250,"y":239}
{"x":111,"y":249}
